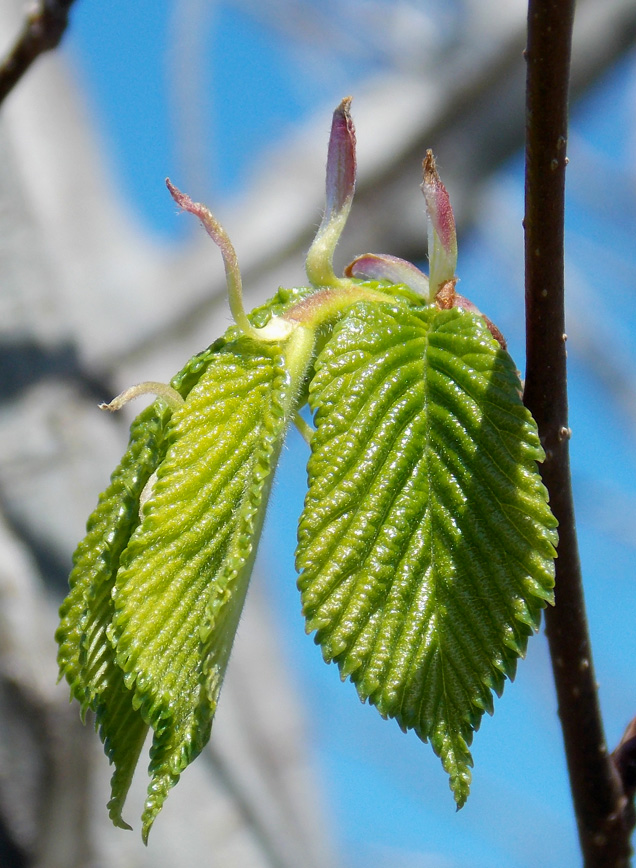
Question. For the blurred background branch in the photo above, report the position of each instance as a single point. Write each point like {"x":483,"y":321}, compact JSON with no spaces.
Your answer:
{"x":42,"y":31}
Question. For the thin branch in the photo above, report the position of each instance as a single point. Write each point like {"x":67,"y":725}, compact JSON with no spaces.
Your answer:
{"x":600,"y":804}
{"x":42,"y":31}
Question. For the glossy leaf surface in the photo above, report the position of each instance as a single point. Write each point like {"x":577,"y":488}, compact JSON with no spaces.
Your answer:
{"x":183,"y":576}
{"x":426,"y":544}
{"x":85,"y":656}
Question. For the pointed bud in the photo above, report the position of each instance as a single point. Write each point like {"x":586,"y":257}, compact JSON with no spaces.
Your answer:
{"x":277,"y":329}
{"x":442,"y":237}
{"x":341,"y":178}
{"x":220,"y":237}
{"x":390,"y":269}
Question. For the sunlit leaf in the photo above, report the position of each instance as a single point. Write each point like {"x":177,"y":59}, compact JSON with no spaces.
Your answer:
{"x":426,"y":544}
{"x":85,"y":656}
{"x":184,"y":574}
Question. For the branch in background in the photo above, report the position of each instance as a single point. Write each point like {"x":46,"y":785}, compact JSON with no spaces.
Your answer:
{"x":42,"y":31}
{"x":601,"y":805}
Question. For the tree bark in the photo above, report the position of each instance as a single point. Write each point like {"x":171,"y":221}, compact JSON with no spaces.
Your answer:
{"x":599,"y":801}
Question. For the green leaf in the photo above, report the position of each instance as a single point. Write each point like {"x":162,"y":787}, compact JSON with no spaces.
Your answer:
{"x":85,"y":656}
{"x":426,"y":543}
{"x":183,"y":577}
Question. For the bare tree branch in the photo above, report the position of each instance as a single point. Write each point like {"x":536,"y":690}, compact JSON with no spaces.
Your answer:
{"x":600,"y":804}
{"x":42,"y":31}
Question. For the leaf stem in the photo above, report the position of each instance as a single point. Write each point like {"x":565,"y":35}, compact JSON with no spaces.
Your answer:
{"x":304,"y":428}
{"x":160,"y":390}
{"x":599,"y":801}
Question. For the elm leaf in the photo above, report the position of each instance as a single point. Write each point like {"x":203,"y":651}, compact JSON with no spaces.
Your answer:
{"x":426,"y":543}
{"x":85,"y":655}
{"x":183,"y":577}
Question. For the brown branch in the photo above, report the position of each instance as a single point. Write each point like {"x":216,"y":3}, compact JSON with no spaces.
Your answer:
{"x":601,"y":806}
{"x":42,"y":31}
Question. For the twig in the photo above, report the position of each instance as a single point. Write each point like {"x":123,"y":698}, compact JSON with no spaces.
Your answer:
{"x":600,"y":804}
{"x":42,"y":31}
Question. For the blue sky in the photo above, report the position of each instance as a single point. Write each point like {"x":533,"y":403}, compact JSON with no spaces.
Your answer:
{"x":387,"y":795}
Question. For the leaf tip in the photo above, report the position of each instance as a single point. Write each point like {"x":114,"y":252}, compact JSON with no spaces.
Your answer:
{"x":114,"y":812}
{"x":460,"y":787}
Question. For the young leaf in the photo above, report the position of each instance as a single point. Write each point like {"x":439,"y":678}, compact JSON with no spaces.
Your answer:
{"x":85,"y":656}
{"x":426,"y":544}
{"x":183,"y":577}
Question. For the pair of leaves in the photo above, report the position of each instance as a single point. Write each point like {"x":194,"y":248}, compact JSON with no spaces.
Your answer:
{"x":425,"y":545}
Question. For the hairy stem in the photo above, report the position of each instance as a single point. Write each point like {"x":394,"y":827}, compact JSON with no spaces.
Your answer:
{"x":42,"y":30}
{"x":599,"y":801}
